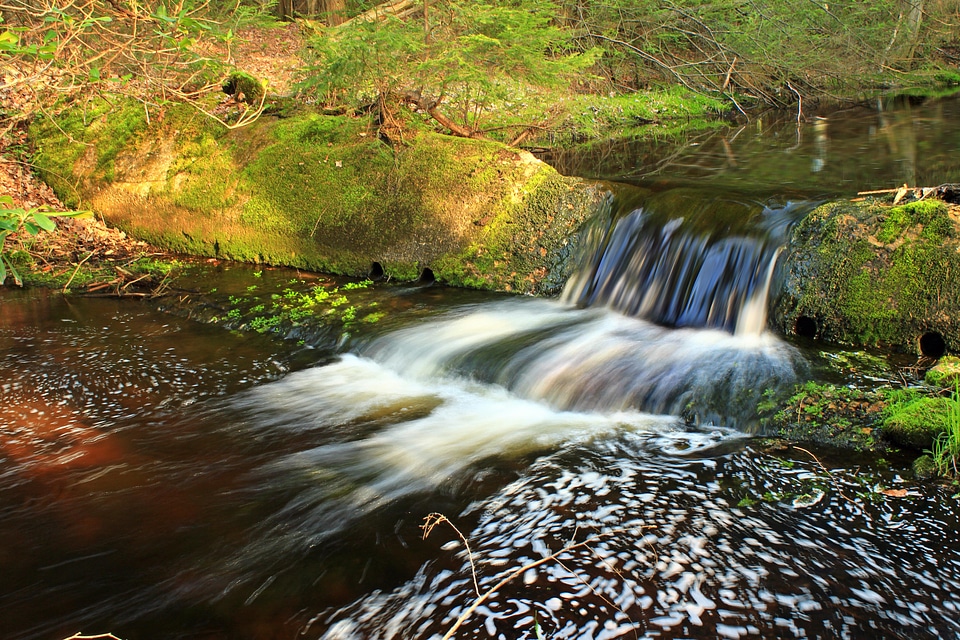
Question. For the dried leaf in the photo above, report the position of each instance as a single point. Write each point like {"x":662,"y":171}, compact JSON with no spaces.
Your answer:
{"x":895,"y":493}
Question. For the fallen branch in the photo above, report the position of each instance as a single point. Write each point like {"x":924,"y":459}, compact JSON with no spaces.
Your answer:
{"x":397,"y":8}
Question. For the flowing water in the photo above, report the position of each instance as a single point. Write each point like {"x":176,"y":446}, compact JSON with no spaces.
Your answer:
{"x":163,"y":478}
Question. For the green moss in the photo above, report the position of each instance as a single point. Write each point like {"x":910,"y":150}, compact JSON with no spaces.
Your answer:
{"x":674,"y":110}
{"x":204,"y":175}
{"x":932,"y":215}
{"x":243,"y":87}
{"x":888,"y":291}
{"x":924,"y":468}
{"x":948,"y":77}
{"x":914,"y":420}
{"x":97,"y":129}
{"x":945,"y":374}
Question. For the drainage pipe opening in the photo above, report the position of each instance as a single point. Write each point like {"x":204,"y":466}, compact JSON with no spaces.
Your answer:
{"x":932,"y":345}
{"x":805,"y":327}
{"x":426,"y":277}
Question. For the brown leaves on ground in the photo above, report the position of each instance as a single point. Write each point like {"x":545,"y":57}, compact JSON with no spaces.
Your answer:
{"x":270,"y":54}
{"x":77,"y":240}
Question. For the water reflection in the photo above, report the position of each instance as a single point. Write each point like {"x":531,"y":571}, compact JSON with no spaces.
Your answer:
{"x":879,"y":146}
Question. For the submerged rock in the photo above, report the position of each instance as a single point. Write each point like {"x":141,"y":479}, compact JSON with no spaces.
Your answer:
{"x":863,"y":274}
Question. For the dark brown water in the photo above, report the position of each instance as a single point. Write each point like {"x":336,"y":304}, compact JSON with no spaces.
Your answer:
{"x":164,"y":478}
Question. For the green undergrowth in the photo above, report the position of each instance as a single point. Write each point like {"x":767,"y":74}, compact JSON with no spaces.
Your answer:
{"x":118,"y":276}
{"x":592,"y":117}
{"x":927,"y":419}
{"x":297,"y":308}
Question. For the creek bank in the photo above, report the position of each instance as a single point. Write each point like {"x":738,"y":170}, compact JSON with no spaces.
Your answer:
{"x":908,"y":419}
{"x":322,"y":193}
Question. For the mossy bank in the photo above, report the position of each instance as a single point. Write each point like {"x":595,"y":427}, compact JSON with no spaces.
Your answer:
{"x":323,"y":193}
{"x":865,"y":274}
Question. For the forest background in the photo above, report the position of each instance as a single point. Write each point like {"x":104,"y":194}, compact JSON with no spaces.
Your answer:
{"x":522,"y":72}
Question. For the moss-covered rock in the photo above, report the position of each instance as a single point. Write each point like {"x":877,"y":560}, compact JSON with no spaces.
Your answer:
{"x":945,"y":374}
{"x":924,"y":468}
{"x":826,"y":414}
{"x":915,"y":421}
{"x":323,"y":193}
{"x":869,"y":275}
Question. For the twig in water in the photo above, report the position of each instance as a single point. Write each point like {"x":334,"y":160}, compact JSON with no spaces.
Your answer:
{"x":432,"y":521}
{"x":827,"y":471}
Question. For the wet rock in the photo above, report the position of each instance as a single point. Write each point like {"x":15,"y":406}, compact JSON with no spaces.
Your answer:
{"x":828,"y":414}
{"x":924,"y":468}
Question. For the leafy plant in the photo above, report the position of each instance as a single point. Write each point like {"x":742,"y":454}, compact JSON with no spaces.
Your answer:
{"x":946,"y":446}
{"x":14,"y":221}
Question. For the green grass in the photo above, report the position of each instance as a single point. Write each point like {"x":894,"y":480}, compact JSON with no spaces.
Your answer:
{"x":946,"y":446}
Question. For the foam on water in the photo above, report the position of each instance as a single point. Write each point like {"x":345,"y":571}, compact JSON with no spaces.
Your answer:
{"x":435,"y":432}
{"x":673,"y":554}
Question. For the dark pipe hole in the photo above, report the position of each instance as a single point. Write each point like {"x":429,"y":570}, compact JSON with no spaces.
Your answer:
{"x":932,"y":345}
{"x":806,"y":327}
{"x":376,"y":271}
{"x":426,"y":277}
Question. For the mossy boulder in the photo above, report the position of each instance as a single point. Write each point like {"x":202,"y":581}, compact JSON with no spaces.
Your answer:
{"x":826,"y":414}
{"x":915,"y":422}
{"x":945,"y":374}
{"x":924,"y":468}
{"x":865,"y":274}
{"x":322,"y":193}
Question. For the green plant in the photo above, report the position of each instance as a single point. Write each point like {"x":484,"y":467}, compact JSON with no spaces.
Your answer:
{"x":946,"y":446}
{"x":15,"y":221}
{"x":456,"y":64}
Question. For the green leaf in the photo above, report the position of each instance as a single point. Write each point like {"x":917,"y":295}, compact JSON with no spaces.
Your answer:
{"x":44,"y":222}
{"x":31,"y":228}
{"x":94,"y":74}
{"x":3,"y":269}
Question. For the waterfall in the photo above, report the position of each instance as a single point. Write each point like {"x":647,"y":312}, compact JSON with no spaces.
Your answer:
{"x":686,"y":262}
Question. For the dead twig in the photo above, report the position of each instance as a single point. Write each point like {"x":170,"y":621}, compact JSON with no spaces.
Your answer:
{"x":77,"y":270}
{"x":836,"y":483}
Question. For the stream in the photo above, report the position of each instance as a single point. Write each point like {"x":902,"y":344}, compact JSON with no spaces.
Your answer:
{"x":597,"y":458}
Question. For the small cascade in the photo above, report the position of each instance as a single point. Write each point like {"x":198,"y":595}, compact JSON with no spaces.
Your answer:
{"x":683,"y":260}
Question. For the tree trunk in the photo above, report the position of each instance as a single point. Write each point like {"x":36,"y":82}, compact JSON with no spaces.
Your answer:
{"x":334,"y":12}
{"x":914,"y":20}
{"x":285,"y":9}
